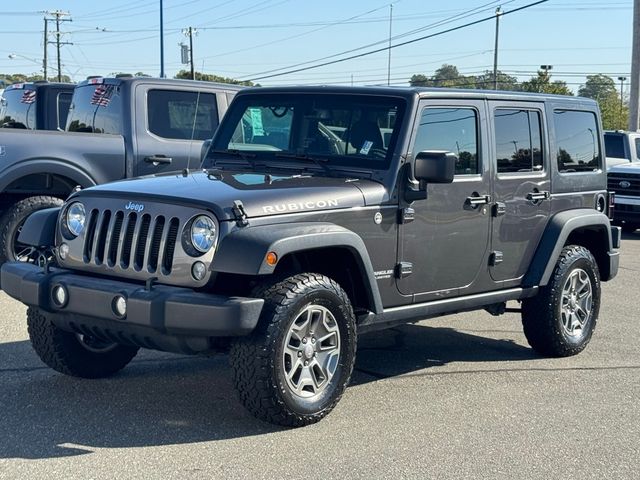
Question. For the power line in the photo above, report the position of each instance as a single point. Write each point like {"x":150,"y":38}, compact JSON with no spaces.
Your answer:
{"x":449,"y":30}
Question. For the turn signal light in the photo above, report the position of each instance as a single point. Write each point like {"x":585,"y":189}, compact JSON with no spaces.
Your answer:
{"x":271,"y":259}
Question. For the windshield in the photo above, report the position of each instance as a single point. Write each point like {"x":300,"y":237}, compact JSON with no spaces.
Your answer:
{"x":96,"y":108}
{"x":18,"y":108}
{"x":343,"y":130}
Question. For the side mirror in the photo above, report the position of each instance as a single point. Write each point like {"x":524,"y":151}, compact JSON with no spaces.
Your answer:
{"x":433,"y":166}
{"x":430,"y":166}
{"x":204,"y":149}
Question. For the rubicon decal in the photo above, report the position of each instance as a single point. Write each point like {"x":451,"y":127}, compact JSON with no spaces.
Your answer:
{"x":298,"y":206}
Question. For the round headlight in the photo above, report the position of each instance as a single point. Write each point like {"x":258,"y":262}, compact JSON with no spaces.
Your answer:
{"x":203,"y":233}
{"x":75,"y":218}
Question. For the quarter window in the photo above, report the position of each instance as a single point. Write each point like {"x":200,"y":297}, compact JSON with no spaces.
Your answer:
{"x":450,"y":129}
{"x":577,"y":141}
{"x":518,"y":140}
{"x":182,"y":115}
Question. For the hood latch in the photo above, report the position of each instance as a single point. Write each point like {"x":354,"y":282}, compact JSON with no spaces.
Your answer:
{"x":239,"y":213}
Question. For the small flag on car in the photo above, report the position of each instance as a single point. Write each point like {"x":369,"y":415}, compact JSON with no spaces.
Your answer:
{"x":102,"y":95}
{"x":29,"y":96}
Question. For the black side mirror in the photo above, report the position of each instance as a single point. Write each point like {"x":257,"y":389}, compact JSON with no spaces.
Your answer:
{"x":204,"y":149}
{"x":431,"y":166}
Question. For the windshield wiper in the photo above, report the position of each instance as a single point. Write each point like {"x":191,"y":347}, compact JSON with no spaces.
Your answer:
{"x":320,"y":161}
{"x":234,"y":152}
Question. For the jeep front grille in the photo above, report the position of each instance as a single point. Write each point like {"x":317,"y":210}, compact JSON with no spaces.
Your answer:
{"x":130,"y":240}
{"x":614,"y":180}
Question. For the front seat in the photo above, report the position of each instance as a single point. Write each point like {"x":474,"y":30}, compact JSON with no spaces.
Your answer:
{"x":365,"y":131}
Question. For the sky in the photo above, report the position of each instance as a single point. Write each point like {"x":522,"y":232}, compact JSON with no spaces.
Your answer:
{"x":253,"y":39}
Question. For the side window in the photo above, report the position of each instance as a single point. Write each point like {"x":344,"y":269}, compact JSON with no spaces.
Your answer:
{"x":452,"y":129}
{"x":182,"y":115}
{"x":637,"y":144}
{"x":577,"y":141}
{"x":614,"y":145}
{"x":518,"y":140}
{"x":64,"y":101}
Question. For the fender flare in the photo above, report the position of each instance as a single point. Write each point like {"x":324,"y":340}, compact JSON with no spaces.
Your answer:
{"x":243,"y":251}
{"x":555,"y":237}
{"x":44,"y":166}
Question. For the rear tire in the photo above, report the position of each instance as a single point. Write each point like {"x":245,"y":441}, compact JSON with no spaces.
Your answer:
{"x":561,"y":319}
{"x":293,"y":369}
{"x":72,"y":354}
{"x":11,"y":222}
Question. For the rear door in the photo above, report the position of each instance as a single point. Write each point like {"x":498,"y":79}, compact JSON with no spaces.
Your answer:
{"x":521,"y":187}
{"x":171,"y":124}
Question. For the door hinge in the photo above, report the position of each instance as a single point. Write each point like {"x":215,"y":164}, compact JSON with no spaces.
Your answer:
{"x":406,"y":215}
{"x":404,"y":269}
{"x":499,"y":209}
{"x":239,"y":213}
{"x":495,"y":258}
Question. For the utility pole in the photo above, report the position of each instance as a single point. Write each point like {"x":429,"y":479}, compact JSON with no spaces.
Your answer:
{"x":622,"y":79}
{"x":45,"y":43}
{"x":495,"y":50}
{"x":389,"y":59}
{"x":161,"y":43}
{"x":189,"y":32}
{"x":58,"y":17}
{"x":634,"y":92}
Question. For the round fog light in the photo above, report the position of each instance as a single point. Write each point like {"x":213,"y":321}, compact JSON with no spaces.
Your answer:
{"x":64,"y":251}
{"x":119,"y":306}
{"x":198,"y":270}
{"x":60,"y":296}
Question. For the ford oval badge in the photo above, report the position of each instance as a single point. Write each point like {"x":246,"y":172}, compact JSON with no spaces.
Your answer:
{"x":624,"y":184}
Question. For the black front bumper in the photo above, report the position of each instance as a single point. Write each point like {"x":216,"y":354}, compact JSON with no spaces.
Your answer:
{"x":155,"y":318}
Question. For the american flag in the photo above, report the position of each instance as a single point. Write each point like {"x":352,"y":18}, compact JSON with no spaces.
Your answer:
{"x":29,"y":96}
{"x":102,"y":95}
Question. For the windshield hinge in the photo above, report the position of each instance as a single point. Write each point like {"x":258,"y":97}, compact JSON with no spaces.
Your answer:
{"x":239,"y":213}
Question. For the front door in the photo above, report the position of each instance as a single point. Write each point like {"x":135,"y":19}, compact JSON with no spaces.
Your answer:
{"x":447,"y":242}
{"x":521,"y":187}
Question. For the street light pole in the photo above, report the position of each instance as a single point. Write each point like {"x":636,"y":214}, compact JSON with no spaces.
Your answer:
{"x":161,"y":43}
{"x":389,"y":55}
{"x":495,"y":50}
{"x":622,"y":79}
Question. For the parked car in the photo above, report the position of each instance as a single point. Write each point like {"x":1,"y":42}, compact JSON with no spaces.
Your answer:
{"x":116,"y":128}
{"x":35,"y":105}
{"x":295,"y":238}
{"x":621,"y":147}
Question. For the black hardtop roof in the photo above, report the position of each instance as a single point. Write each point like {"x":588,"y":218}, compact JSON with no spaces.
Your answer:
{"x":40,"y":84}
{"x":165,"y":81}
{"x":420,"y":92}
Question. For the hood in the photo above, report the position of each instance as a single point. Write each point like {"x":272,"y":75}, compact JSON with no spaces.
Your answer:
{"x":260,"y":194}
{"x":627,"y":167}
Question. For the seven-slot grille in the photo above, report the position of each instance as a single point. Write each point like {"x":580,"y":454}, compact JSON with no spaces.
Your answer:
{"x":130,"y":240}
{"x":613,"y":184}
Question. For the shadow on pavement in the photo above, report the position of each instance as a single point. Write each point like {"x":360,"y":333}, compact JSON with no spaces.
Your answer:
{"x":162,"y":399}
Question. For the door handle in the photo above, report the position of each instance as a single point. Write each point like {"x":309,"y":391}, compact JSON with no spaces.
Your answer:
{"x":537,"y":196}
{"x":158,"y":159}
{"x":477,"y":200}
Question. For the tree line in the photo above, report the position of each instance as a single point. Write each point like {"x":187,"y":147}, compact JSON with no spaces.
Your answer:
{"x":602,"y":88}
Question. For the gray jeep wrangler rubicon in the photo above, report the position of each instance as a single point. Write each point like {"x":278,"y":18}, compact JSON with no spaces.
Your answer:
{"x":320,"y":213}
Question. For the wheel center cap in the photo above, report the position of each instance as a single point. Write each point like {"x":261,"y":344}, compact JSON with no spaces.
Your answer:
{"x":308,"y":351}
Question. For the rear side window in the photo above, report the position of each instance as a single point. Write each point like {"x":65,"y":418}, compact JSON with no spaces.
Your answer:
{"x":181,"y":115}
{"x":577,"y":141}
{"x":614,"y":145}
{"x":96,"y":108}
{"x":18,"y":108}
{"x":518,"y":140}
{"x":63,"y":104}
{"x":451,"y":129}
{"x":637,"y":144}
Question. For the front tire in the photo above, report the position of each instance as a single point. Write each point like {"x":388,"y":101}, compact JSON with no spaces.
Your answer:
{"x":72,"y":354}
{"x":561,"y":319}
{"x":293,"y":369}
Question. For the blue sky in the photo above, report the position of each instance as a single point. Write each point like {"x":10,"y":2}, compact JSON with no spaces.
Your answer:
{"x":242,"y":38}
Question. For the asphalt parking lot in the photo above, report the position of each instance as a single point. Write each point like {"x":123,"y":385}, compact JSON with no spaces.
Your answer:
{"x":457,"y":397}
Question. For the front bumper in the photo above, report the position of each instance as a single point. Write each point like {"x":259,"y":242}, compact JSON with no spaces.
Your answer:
{"x":161,"y":314}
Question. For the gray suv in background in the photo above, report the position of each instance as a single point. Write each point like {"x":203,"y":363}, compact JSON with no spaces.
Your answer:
{"x":324,"y":212}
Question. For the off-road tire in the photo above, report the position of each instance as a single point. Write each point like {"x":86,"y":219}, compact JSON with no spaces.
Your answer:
{"x":256,"y":360}
{"x":14,"y":217}
{"x":65,"y":353}
{"x":541,"y":315}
